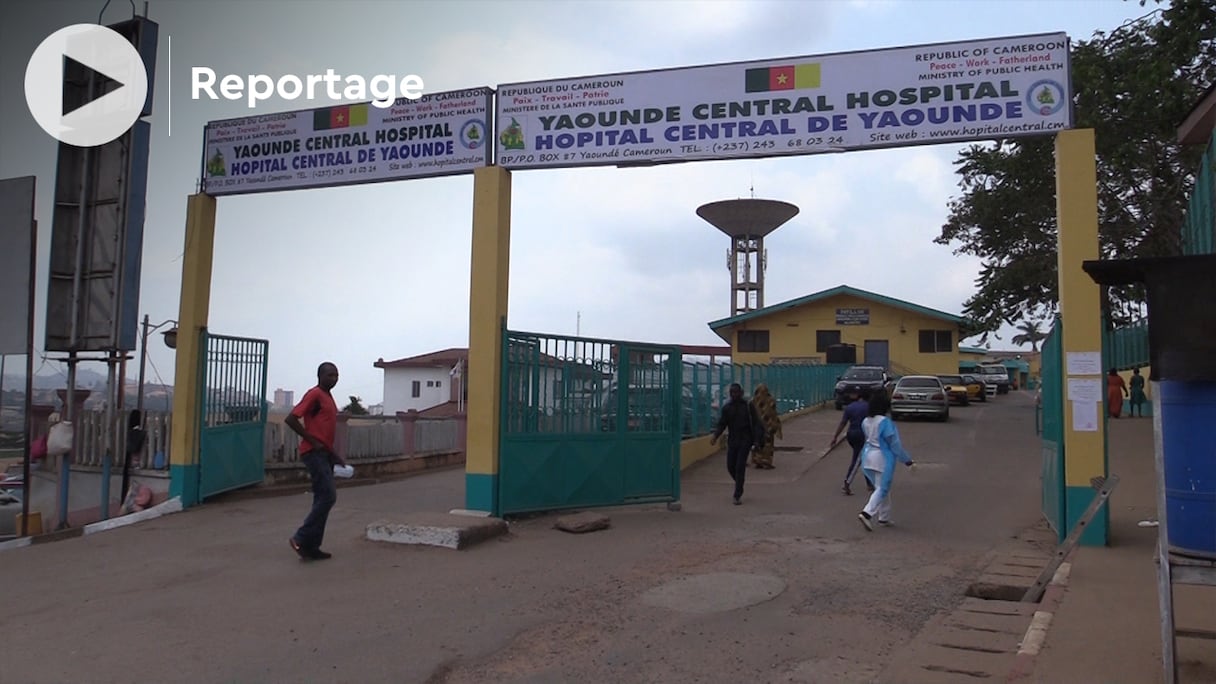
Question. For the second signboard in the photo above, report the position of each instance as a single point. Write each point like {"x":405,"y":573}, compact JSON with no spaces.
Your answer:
{"x":950,"y":92}
{"x":436,"y":135}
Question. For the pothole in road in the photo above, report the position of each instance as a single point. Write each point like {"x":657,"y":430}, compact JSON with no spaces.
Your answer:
{"x":995,"y":592}
{"x":714,"y":592}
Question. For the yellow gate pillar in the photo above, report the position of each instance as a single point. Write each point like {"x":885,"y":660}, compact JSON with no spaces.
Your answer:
{"x":1080,"y":314}
{"x":491,"y":258}
{"x":191,"y":320}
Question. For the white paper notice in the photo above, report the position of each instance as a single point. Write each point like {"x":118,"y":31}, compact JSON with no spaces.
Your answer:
{"x":1083,"y":363}
{"x":1084,"y":416}
{"x":1084,"y":389}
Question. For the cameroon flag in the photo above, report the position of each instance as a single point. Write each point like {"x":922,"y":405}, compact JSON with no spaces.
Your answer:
{"x":343,"y":116}
{"x":792,"y":77}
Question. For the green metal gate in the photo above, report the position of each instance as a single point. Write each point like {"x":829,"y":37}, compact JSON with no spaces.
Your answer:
{"x":1052,"y":408}
{"x":233,"y":413}
{"x":588,"y":422}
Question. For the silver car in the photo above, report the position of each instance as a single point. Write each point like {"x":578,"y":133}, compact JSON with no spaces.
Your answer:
{"x":920,"y":395}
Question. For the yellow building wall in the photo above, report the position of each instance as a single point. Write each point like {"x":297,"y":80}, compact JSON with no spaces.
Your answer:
{"x":792,"y":334}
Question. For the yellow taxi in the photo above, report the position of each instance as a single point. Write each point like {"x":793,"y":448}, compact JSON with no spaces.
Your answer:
{"x":963,"y":389}
{"x":976,"y":389}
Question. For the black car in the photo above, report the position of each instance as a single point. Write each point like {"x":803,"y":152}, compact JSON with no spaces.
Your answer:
{"x":857,"y":377}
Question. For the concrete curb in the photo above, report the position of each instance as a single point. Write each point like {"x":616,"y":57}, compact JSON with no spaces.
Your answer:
{"x":16,"y":543}
{"x":173,"y":505}
{"x":447,"y":530}
{"x":1036,"y":635}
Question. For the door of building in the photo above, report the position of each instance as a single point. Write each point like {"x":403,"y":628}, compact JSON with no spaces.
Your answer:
{"x":878,"y":353}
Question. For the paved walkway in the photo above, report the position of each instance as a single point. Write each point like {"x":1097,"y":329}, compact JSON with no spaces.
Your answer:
{"x":1107,"y":627}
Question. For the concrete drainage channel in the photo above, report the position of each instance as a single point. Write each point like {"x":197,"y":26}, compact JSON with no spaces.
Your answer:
{"x":991,"y":636}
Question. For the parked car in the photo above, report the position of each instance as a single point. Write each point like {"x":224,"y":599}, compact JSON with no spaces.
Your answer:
{"x":647,"y":406}
{"x":977,"y":390}
{"x":956,"y":389}
{"x":920,"y":395}
{"x":857,"y":377}
{"x":995,"y":377}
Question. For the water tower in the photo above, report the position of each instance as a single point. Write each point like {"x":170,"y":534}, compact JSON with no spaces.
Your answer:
{"x":747,"y":221}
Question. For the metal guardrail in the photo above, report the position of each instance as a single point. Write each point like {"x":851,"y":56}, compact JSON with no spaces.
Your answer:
{"x":364,"y":440}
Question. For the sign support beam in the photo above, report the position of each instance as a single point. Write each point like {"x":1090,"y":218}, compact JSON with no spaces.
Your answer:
{"x":191,"y":321}
{"x":1080,"y":312}
{"x":488,"y":288}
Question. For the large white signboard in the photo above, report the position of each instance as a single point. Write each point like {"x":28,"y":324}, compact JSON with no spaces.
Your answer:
{"x":436,"y":135}
{"x":949,"y":92}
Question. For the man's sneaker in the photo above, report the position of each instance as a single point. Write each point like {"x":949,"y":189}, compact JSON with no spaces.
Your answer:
{"x":848,"y":491}
{"x":738,"y":501}
{"x":318,"y":554}
{"x":886,"y":523}
{"x":865,"y":520}
{"x":295,"y":546}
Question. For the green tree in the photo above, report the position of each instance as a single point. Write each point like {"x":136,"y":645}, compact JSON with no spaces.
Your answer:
{"x":355,"y":407}
{"x":1029,"y":333}
{"x":1133,"y":86}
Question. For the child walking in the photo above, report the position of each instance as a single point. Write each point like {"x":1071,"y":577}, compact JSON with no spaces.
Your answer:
{"x":882,"y":449}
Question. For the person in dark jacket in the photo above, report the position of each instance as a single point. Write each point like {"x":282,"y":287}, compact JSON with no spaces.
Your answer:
{"x":857,"y":411}
{"x":746,"y":433}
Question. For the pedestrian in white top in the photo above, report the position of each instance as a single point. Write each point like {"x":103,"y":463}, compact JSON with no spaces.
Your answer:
{"x":878,"y":457}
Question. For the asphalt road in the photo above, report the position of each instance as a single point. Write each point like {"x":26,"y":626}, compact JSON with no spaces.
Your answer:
{"x":786,"y":588}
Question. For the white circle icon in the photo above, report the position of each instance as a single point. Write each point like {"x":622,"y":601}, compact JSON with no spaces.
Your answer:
{"x":57,"y":79}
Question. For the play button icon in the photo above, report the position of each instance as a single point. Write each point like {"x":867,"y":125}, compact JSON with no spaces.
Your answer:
{"x":102,"y":83}
{"x":64,"y":64}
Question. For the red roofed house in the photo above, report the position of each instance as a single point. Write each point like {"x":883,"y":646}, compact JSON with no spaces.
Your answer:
{"x":427,"y":383}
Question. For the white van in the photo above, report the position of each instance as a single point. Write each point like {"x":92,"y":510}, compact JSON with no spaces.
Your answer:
{"x":995,"y":377}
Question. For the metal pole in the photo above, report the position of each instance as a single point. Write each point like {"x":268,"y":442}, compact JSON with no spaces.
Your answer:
{"x":29,"y":388}
{"x":110,"y":436}
{"x":139,"y":404}
{"x":143,"y":362}
{"x":82,"y":225}
{"x":1165,"y":583}
{"x":122,"y":383}
{"x":64,"y":469}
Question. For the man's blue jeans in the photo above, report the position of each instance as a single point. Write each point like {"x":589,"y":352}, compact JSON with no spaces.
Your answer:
{"x":324,"y":494}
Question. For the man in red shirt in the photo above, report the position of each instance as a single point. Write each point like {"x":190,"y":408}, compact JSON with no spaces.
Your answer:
{"x":320,"y":423}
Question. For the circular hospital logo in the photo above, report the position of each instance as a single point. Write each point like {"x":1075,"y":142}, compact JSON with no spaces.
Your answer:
{"x":1045,"y":97}
{"x":473,"y":134}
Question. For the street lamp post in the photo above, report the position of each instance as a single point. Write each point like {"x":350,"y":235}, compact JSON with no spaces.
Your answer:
{"x":170,"y":342}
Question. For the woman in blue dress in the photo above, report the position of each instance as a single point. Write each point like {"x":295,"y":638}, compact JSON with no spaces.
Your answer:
{"x":878,"y":458}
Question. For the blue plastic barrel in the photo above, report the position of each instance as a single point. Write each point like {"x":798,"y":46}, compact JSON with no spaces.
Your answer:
{"x":1188,"y":415}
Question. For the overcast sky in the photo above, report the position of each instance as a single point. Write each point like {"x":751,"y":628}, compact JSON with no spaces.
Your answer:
{"x":355,"y":274}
